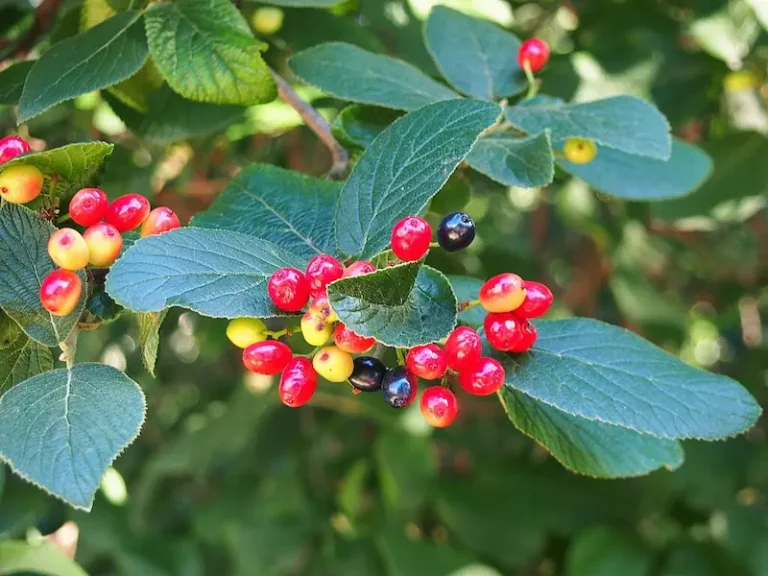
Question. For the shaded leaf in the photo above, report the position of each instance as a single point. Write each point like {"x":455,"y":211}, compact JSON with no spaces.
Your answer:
{"x":466,"y":289}
{"x":44,"y":558}
{"x":149,"y":337}
{"x":12,"y":82}
{"x":607,"y":552}
{"x":21,"y":359}
{"x":406,"y":557}
{"x":406,"y":467}
{"x":358,"y":125}
{"x":525,"y":162}
{"x":304,"y":3}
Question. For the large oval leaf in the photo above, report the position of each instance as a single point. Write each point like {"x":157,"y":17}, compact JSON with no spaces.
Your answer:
{"x":526,"y":162}
{"x":21,"y":358}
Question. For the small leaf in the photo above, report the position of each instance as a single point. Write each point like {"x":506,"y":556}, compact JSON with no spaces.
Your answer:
{"x":514,"y":161}
{"x":12,"y":82}
{"x":61,"y":430}
{"x":407,"y":468}
{"x":304,"y":3}
{"x":149,"y":337}
{"x":206,"y":52}
{"x":403,"y":169}
{"x":359,"y":125}
{"x":354,"y":74}
{"x":213,"y":272}
{"x":285,"y":207}
{"x":477,"y":57}
{"x":606,"y":551}
{"x":102,"y":56}
{"x":406,"y":557}
{"x":625,"y":123}
{"x":401,"y":306}
{"x":21,"y":359}
{"x":43,"y":558}
{"x":101,"y":304}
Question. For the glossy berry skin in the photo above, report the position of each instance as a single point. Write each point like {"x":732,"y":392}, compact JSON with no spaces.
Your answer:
{"x":504,"y":330}
{"x":502,"y":293}
{"x":12,"y":146}
{"x":243,"y":332}
{"x":321,"y":271}
{"x":60,"y":292}
{"x":399,"y":387}
{"x":345,"y":339}
{"x":88,"y":206}
{"x":269,"y":357}
{"x":104,"y":244}
{"x":315,"y":329}
{"x":535,"y":52}
{"x":456,"y":232}
{"x":538,"y":299}
{"x":529,"y":335}
{"x":333,"y":364}
{"x":410,"y":238}
{"x":579,"y":150}
{"x":128,"y":212}
{"x":368,"y":373}
{"x":485,"y":377}
{"x":298,"y":382}
{"x":288,"y":289}
{"x":20,"y":184}
{"x":439,"y":406}
{"x":359,"y":268}
{"x":68,"y":249}
{"x":160,"y":220}
{"x":322,"y":307}
{"x":428,"y":361}
{"x":463,"y":348}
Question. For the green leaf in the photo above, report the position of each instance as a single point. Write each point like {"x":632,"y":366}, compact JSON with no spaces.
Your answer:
{"x":525,"y":162}
{"x":102,"y":56}
{"x":304,"y":3}
{"x":586,"y":446}
{"x":405,"y":557}
{"x":149,"y":337}
{"x":358,"y":125}
{"x":601,"y":372}
{"x":101,"y":304}
{"x":638,"y":178}
{"x":282,"y":206}
{"x":466,"y":289}
{"x":401,"y":306}
{"x":404,"y":168}
{"x":206,"y":52}
{"x":12,"y":82}
{"x":45,"y":558}
{"x":406,"y":467}
{"x":354,"y":74}
{"x":21,"y":359}
{"x":216,"y":273}
{"x":477,"y":57}
{"x":24,"y":262}
{"x":61,"y":430}
{"x":624,"y":123}
{"x":607,"y":552}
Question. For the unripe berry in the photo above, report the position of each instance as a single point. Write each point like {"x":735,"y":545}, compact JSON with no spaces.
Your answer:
{"x":321,"y":271}
{"x":345,"y":339}
{"x":456,"y":232}
{"x":88,"y":206}
{"x":439,"y":406}
{"x":333,"y":364}
{"x":463,"y":348}
{"x":288,"y":289}
{"x":411,"y":237}
{"x":12,"y":146}
{"x":104,"y":244}
{"x":579,"y":150}
{"x":68,"y":249}
{"x":269,"y":357}
{"x":243,"y":332}
{"x":322,"y":307}
{"x":535,"y":52}
{"x":502,"y":293}
{"x":529,"y":335}
{"x":298,"y":382}
{"x":20,"y":184}
{"x":60,"y":292}
{"x":504,"y":330}
{"x":128,"y":212}
{"x":428,"y":361}
{"x":368,"y":373}
{"x":485,"y":377}
{"x":359,"y":268}
{"x":160,"y":220}
{"x":538,"y":299}
{"x":399,"y":387}
{"x":315,"y":329}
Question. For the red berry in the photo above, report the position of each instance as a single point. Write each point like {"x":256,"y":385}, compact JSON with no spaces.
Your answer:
{"x":12,"y":146}
{"x":502,"y":293}
{"x":529,"y":335}
{"x":504,"y":330}
{"x":439,"y":406}
{"x":268,"y":357}
{"x":160,"y":220}
{"x":321,"y":271}
{"x":485,"y":377}
{"x":298,"y":382}
{"x":128,"y":212}
{"x":288,"y":289}
{"x":60,"y":292}
{"x":538,"y":299}
{"x":536,"y":52}
{"x":68,"y":249}
{"x":463,"y":348}
{"x":428,"y":361}
{"x":359,"y":268}
{"x":88,"y":206}
{"x":345,"y":339}
{"x":411,"y":237}
{"x":104,"y":244}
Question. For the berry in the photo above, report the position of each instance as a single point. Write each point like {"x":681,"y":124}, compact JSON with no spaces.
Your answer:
{"x":20,"y":184}
{"x":504,"y":330}
{"x":485,"y":377}
{"x":12,"y":146}
{"x":538,"y":299}
{"x":315,"y":329}
{"x":463,"y":348}
{"x":88,"y":206}
{"x":333,"y":364}
{"x":60,"y":292}
{"x":368,"y":373}
{"x":269,"y":357}
{"x":128,"y":212}
{"x":579,"y":150}
{"x":359,"y":268}
{"x":243,"y":332}
{"x":350,"y":342}
{"x":502,"y":293}
{"x":535,"y":52}
{"x":322,"y":307}
{"x":428,"y":361}
{"x":288,"y":289}
{"x":529,"y":335}
{"x":410,"y":238}
{"x":399,"y":387}
{"x":298,"y":382}
{"x":456,"y":232}
{"x":321,"y":271}
{"x":104,"y":244}
{"x":439,"y":406}
{"x":68,"y":249}
{"x":160,"y":220}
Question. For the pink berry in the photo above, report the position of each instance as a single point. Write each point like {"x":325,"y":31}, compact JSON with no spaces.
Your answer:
{"x":359,"y":268}
{"x":268,"y":357}
{"x":439,"y":406}
{"x":529,"y":335}
{"x":88,"y":206}
{"x":538,"y":299}
{"x":346,"y":340}
{"x":321,"y":271}
{"x":288,"y":289}
{"x":502,"y":293}
{"x":504,"y":331}
{"x":428,"y":361}
{"x":298,"y":382}
{"x":160,"y":220}
{"x":128,"y":212}
{"x":60,"y":292}
{"x":410,"y":238}
{"x":463,"y":348}
{"x":485,"y":377}
{"x":535,"y":52}
{"x":12,"y":146}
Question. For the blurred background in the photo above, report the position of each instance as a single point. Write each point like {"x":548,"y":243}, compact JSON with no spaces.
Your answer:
{"x":224,"y":480}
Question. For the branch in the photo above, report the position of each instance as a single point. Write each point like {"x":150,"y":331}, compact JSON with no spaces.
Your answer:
{"x":45,"y":15}
{"x":317,"y":124}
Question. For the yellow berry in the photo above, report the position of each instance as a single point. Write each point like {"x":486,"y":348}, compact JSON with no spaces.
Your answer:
{"x":315,"y":329}
{"x":20,"y":184}
{"x":579,"y":150}
{"x":739,"y":81}
{"x":333,"y":364}
{"x":68,"y":249}
{"x":243,"y":332}
{"x":267,"y":20}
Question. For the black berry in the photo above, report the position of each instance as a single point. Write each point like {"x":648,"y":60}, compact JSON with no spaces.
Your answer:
{"x":368,"y":373}
{"x":399,"y":387}
{"x":456,"y":232}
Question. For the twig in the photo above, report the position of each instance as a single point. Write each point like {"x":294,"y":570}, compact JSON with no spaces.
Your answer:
{"x":317,"y":124}
{"x":45,"y":15}
{"x":68,"y":348}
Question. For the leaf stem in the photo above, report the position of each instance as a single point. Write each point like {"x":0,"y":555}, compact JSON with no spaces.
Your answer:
{"x":533,"y":84}
{"x":434,"y":245}
{"x":400,"y":356}
{"x":468,"y":305}
{"x":280,"y":333}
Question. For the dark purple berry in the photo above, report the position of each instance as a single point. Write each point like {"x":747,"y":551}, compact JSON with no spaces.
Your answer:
{"x":368,"y":373}
{"x":399,"y":387}
{"x":456,"y":232}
